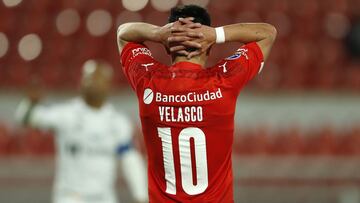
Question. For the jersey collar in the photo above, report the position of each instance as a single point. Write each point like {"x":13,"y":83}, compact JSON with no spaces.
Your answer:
{"x":184,"y":65}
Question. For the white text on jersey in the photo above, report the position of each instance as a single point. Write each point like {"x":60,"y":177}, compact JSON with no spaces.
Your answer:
{"x":141,"y":50}
{"x":181,"y":114}
{"x":189,"y":97}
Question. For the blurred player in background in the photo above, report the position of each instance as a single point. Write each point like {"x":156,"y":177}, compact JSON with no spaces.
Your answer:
{"x":187,"y":110}
{"x":90,"y":134}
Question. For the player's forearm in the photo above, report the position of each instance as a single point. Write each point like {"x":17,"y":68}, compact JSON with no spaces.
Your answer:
{"x":135,"y":174}
{"x":249,"y":32}
{"x":138,"y":32}
{"x":262,"y":33}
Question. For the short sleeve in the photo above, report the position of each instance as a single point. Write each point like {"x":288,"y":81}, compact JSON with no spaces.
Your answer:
{"x":136,"y":60}
{"x":47,"y":118}
{"x":243,"y":65}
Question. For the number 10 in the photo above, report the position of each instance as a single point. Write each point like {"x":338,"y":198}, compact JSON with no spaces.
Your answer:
{"x":185,"y":160}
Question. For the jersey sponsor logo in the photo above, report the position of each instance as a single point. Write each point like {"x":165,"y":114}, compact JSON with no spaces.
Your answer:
{"x":141,"y":50}
{"x":148,"y":96}
{"x":233,"y":57}
{"x":240,"y":52}
{"x":185,"y":113}
{"x":189,"y":97}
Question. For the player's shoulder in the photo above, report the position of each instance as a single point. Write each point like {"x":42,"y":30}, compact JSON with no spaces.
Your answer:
{"x":71,"y":104}
{"x":116,"y":115}
{"x":120,"y":121}
{"x":238,"y":59}
{"x":121,"y":117}
{"x":133,"y":51}
{"x":245,"y":52}
{"x":68,"y":108}
{"x":59,"y":106}
{"x":139,"y":55}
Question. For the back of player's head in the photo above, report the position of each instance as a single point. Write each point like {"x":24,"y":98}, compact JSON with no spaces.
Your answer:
{"x":199,"y":14}
{"x":98,"y":67}
{"x":96,"y":79}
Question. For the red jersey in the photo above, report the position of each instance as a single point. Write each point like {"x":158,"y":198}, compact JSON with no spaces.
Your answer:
{"x":187,"y":116}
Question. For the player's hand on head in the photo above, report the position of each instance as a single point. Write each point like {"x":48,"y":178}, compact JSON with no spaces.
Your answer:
{"x":166,"y":31}
{"x":189,"y":34}
{"x":207,"y":40}
{"x":206,"y":44}
{"x":183,"y":36}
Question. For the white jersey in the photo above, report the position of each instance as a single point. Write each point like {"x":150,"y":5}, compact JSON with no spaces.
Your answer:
{"x":87,"y":141}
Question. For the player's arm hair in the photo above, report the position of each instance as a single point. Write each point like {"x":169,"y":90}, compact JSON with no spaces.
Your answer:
{"x":137,"y":32}
{"x":134,"y":172}
{"x":262,"y":33}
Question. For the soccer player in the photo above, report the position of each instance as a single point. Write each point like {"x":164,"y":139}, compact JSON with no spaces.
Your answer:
{"x":186,"y":109}
{"x":89,"y":134}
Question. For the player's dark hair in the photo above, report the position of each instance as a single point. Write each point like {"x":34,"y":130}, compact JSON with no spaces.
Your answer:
{"x":199,"y":14}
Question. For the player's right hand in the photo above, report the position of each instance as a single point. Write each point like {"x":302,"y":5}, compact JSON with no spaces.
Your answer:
{"x":165,"y":32}
{"x":183,"y":36}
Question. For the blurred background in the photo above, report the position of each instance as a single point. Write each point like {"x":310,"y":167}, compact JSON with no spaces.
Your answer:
{"x":298,"y":123}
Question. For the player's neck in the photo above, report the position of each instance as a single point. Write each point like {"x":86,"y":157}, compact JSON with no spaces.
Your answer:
{"x":94,"y":103}
{"x":201,"y":60}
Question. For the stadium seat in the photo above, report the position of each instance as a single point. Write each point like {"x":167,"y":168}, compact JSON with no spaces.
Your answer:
{"x":322,"y":142}
{"x":305,"y":56}
{"x":4,"y":141}
{"x":287,"y":142}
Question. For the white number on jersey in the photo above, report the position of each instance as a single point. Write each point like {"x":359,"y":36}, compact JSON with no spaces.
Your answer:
{"x":185,"y":160}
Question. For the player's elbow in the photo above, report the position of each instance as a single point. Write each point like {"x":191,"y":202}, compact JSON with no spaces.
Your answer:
{"x":121,"y":31}
{"x":270,"y":31}
{"x":121,"y":35}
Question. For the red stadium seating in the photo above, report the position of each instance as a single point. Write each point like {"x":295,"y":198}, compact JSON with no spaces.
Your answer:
{"x":262,"y":141}
{"x":305,"y":55}
{"x":4,"y":140}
